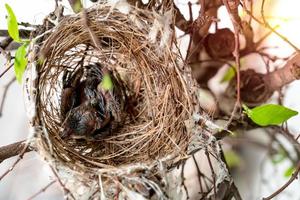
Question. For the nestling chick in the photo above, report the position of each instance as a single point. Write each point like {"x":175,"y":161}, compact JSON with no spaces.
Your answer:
{"x":83,"y":106}
{"x":84,"y":120}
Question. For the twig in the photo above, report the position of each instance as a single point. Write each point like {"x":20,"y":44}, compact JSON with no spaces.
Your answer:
{"x":6,"y":70}
{"x":183,"y":179}
{"x":233,"y":190}
{"x":273,"y":30}
{"x":282,"y":188}
{"x":66,"y":190}
{"x":26,"y":25}
{"x":290,"y":137}
{"x":41,"y":190}
{"x":212,"y":172}
{"x":191,"y":34}
{"x":235,"y":23}
{"x":199,"y":174}
{"x":236,"y":192}
{"x":5,"y":93}
{"x":12,"y":150}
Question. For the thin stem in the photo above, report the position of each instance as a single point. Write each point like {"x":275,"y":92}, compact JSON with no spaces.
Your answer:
{"x":41,"y":190}
{"x":273,"y":30}
{"x":6,"y":70}
{"x":282,"y":188}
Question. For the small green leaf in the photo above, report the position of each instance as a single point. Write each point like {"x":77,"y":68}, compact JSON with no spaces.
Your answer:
{"x":106,"y":82}
{"x":232,"y":158}
{"x":289,"y":171}
{"x":77,"y":6}
{"x":20,"y":62}
{"x":12,"y":24}
{"x":230,"y":73}
{"x":269,"y":114}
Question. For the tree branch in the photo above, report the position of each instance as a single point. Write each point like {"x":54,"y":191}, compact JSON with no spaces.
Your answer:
{"x":281,"y":189}
{"x":12,"y":150}
{"x":41,"y":190}
{"x":285,"y":75}
{"x":6,"y":42}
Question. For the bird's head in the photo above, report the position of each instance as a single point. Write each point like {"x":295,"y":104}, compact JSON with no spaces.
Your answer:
{"x":82,"y":122}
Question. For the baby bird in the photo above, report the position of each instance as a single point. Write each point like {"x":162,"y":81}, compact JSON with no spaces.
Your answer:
{"x":84,"y":107}
{"x":84,"y":120}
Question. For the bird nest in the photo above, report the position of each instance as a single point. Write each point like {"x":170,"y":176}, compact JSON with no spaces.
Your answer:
{"x":153,"y":100}
{"x":154,"y":118}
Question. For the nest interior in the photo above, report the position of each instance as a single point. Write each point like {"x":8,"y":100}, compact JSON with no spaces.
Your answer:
{"x":155,"y":100}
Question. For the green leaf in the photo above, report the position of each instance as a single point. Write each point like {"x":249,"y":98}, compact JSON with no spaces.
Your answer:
{"x":106,"y":82}
{"x":20,"y":62}
{"x":232,"y":159}
{"x":230,"y":73}
{"x":77,"y":6}
{"x":289,"y":171}
{"x":12,"y":24}
{"x":269,"y":114}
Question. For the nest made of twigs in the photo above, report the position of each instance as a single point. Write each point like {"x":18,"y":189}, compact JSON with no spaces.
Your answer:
{"x":137,"y":50}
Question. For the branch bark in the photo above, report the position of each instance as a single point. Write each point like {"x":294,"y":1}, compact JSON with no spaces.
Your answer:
{"x":24,"y":33}
{"x":12,"y":150}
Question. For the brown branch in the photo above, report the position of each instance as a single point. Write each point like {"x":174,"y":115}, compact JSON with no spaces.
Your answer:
{"x":232,"y":11}
{"x":213,"y":174}
{"x":285,"y":75}
{"x":6,"y":70}
{"x":12,"y":150}
{"x":183,"y":179}
{"x":199,"y":174}
{"x":291,"y":138}
{"x":282,"y":188}
{"x":230,"y":187}
{"x":257,"y":88}
{"x":3,"y":47}
{"x":21,"y":153}
{"x":6,"y":42}
{"x":42,"y":190}
{"x":24,"y":33}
